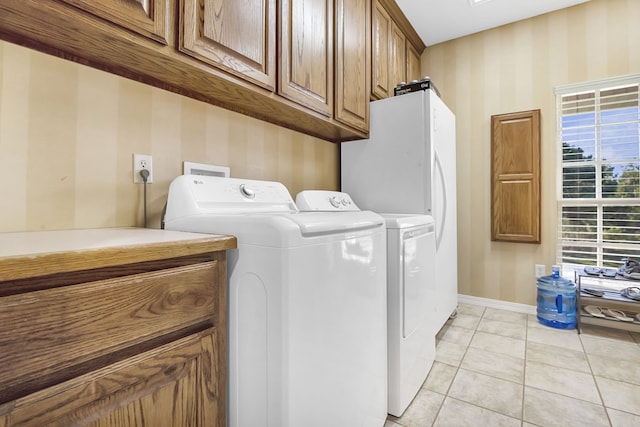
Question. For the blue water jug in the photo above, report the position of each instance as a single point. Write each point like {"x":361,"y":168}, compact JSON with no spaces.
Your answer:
{"x":556,"y":301}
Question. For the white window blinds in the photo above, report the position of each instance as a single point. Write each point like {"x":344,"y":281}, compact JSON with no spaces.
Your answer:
{"x":599,"y":188}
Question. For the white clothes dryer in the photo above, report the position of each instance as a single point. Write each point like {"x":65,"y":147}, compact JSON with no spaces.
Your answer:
{"x":412,"y":320}
{"x":307,"y":304}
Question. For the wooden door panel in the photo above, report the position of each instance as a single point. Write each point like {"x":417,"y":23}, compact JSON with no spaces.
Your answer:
{"x":352,"y":63}
{"x":398,"y":61}
{"x":306,"y":53}
{"x":237,"y":36}
{"x":167,"y":386}
{"x":380,"y":52}
{"x":146,"y":17}
{"x":515,"y":184}
{"x":413,"y":64}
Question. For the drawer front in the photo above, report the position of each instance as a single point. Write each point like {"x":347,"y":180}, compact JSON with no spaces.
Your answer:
{"x":67,"y":330}
{"x":170,"y":385}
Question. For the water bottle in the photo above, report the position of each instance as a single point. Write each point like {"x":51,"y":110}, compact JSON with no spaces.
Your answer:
{"x":556,"y":301}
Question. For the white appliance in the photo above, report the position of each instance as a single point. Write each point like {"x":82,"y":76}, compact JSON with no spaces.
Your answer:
{"x":307,"y":304}
{"x":408,"y":165}
{"x":411,"y":306}
{"x":411,"y":302}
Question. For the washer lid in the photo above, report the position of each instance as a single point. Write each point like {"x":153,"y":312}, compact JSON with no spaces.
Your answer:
{"x":407,"y":220}
{"x":321,"y":223}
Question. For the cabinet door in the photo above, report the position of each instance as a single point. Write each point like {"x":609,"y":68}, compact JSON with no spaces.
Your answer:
{"x":178,"y":384}
{"x":306,"y":53}
{"x":413,"y":63}
{"x":515,"y":183}
{"x":238,"y":37}
{"x":352,"y":63}
{"x":397,"y":63}
{"x":146,"y":17}
{"x":380,"y":52}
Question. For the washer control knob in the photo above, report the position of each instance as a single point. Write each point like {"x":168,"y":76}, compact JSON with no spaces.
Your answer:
{"x":334,"y":202}
{"x":247,"y":192}
{"x":345,"y":202}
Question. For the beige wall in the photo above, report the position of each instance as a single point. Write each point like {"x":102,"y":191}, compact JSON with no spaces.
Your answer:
{"x":68,"y":132}
{"x":516,"y":68}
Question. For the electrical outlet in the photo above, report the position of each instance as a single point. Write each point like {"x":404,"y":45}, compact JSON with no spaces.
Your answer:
{"x":540,"y":270}
{"x":140,"y":162}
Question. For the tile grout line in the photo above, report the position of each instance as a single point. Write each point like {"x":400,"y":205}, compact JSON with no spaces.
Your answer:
{"x":524,"y":370}
{"x":446,"y":395}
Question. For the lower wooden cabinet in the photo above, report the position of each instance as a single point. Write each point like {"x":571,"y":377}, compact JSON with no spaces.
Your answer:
{"x":121,"y":336}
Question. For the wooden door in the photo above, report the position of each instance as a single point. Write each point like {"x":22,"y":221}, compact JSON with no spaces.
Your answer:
{"x":178,"y":384}
{"x":238,"y":37}
{"x":306,"y":53}
{"x":515,"y":184}
{"x":398,"y":62}
{"x":380,"y":52}
{"x":146,"y":17}
{"x":413,"y":64}
{"x":352,"y":63}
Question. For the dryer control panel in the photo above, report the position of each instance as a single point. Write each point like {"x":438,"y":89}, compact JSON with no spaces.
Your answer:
{"x":326,"y":201}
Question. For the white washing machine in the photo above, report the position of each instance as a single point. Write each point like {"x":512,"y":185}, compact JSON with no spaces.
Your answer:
{"x":412,"y":320}
{"x":307,"y":304}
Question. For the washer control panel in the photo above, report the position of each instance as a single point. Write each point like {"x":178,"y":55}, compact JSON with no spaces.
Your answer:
{"x":322,"y":200}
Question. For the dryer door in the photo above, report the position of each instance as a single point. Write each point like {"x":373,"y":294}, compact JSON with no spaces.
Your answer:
{"x":418,"y":264}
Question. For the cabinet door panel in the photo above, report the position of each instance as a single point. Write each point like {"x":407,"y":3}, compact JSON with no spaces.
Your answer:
{"x":352,"y":63}
{"x":380,"y":51}
{"x":237,"y":36}
{"x":306,"y":67}
{"x":413,"y":63}
{"x":146,"y":17}
{"x":515,"y":183}
{"x":173,"y":385}
{"x":397,"y":73}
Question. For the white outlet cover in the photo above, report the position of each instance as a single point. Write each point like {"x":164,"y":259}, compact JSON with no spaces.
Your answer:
{"x":138,"y":161}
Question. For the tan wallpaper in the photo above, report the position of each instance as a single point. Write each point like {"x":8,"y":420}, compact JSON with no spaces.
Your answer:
{"x":68,"y":132}
{"x":516,"y":68}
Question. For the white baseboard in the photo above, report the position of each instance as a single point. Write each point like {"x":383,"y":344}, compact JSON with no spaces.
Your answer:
{"x":497,"y":304}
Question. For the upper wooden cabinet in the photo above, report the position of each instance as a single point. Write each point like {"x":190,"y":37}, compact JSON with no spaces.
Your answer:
{"x":306,"y":53}
{"x":396,"y":49}
{"x":237,"y":37}
{"x":352,"y":62}
{"x":146,"y":17}
{"x":302,"y":64}
{"x":97,"y":333}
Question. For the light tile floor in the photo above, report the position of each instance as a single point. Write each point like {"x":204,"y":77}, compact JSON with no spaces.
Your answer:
{"x":501,"y":368}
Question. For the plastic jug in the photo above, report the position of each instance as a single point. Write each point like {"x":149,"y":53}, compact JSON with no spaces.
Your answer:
{"x":556,"y":301}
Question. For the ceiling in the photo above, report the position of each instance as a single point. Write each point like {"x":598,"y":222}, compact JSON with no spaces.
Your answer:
{"x":437,"y":21}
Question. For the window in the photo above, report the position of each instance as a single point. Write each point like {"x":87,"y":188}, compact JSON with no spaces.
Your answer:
{"x":599,"y":184}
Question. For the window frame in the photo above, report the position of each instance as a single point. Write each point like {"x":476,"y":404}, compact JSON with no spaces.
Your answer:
{"x":598,"y":201}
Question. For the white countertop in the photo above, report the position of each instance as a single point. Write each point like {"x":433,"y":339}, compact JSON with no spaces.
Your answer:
{"x":43,"y":242}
